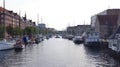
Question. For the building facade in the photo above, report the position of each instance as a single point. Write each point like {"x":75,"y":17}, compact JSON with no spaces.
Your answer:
{"x":78,"y":30}
{"x":42,"y":25}
{"x":106,"y":22}
{"x":10,"y":18}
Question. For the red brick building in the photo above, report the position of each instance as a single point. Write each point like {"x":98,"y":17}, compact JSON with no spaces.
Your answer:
{"x":13,"y":19}
{"x":10,"y":18}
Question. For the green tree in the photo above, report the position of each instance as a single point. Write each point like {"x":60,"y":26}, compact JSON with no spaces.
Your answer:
{"x":10,"y":30}
{"x":17,"y":31}
{"x":42,"y":31}
{"x":30,"y":30}
{"x":2,"y":30}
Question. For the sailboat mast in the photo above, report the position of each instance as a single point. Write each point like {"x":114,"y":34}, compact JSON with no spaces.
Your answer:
{"x":4,"y":17}
{"x":19,"y":18}
{"x":4,"y":12}
{"x":37,"y":18}
{"x":37,"y":23}
{"x":4,"y":4}
{"x":84,"y":26}
{"x":41,"y":19}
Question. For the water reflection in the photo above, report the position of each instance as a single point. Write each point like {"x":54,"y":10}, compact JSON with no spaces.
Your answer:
{"x":101,"y":57}
{"x":6,"y":58}
{"x":57,"y":53}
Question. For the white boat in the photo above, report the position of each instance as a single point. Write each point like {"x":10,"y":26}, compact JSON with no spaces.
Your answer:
{"x":57,"y":36}
{"x":70,"y":37}
{"x":114,"y":44}
{"x":114,"y":41}
{"x":5,"y":45}
{"x":92,"y":39}
{"x":78,"y":39}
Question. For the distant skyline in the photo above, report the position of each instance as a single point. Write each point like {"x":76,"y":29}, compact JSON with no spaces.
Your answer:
{"x":59,"y":14}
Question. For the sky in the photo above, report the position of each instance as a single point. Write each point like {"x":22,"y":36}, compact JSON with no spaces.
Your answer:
{"x":60,"y":14}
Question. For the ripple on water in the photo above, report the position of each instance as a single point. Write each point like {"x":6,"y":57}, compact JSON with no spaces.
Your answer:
{"x":57,"y":53}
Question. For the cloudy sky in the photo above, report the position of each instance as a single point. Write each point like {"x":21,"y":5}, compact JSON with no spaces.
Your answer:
{"x":59,"y":14}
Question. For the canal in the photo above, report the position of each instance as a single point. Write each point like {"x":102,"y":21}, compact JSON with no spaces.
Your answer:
{"x":57,"y":52}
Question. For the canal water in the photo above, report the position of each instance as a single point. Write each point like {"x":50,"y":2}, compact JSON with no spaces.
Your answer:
{"x":57,"y":52}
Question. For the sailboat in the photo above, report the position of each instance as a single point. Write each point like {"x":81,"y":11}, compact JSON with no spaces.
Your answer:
{"x":6,"y":44}
{"x":38,"y":37}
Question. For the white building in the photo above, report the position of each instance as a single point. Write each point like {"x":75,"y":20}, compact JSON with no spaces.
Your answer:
{"x":42,"y":25}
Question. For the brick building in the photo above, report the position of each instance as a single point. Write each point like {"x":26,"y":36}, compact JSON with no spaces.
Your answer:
{"x":106,"y":22}
{"x":13,"y":19}
{"x":10,"y":18}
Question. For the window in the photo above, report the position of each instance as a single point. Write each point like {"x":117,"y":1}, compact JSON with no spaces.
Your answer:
{"x":2,"y":16}
{"x":17,"y":23}
{"x":114,"y":45}
{"x":2,"y":20}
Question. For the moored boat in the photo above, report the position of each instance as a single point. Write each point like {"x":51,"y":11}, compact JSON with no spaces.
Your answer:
{"x":70,"y":37}
{"x":92,"y":39}
{"x":6,"y":45}
{"x":114,"y":47}
{"x":18,"y":45}
{"x":114,"y":44}
{"x":38,"y":40}
{"x":57,"y":36}
{"x":78,"y":39}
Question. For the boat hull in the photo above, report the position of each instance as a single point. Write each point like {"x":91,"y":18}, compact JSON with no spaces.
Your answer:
{"x":92,"y":44}
{"x":78,"y":41}
{"x":6,"y":46}
{"x":114,"y":54}
{"x":18,"y":47}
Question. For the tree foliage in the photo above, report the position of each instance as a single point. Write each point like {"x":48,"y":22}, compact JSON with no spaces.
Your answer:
{"x":17,"y":31}
{"x":30,"y":30}
{"x":13,"y":31}
{"x":2,"y":30}
{"x":10,"y":30}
